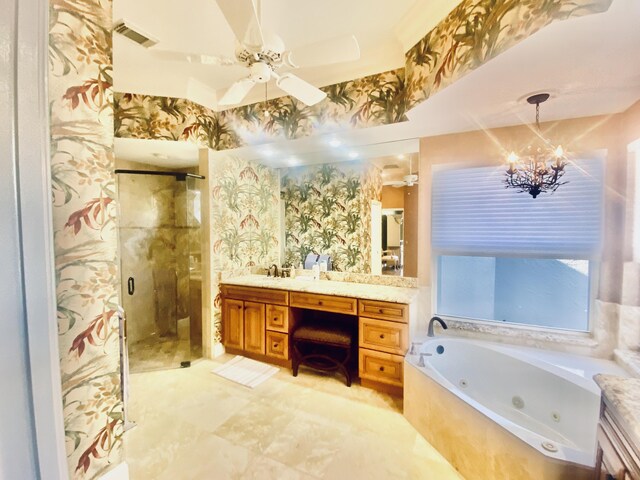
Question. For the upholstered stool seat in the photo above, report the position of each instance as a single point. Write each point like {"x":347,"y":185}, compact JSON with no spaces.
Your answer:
{"x":324,"y":346}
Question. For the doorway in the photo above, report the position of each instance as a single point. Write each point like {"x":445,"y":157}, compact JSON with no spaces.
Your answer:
{"x":160,"y":252}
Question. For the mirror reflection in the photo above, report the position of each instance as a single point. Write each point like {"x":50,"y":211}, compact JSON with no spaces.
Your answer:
{"x":359,"y":214}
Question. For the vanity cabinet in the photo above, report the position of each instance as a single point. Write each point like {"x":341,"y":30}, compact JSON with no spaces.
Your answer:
{"x":243,"y":327}
{"x":233,"y":323}
{"x":257,"y":323}
{"x":253,"y":328}
{"x":254,"y":333}
{"x":325,"y":303}
{"x":618,"y":456}
{"x":383,"y":339}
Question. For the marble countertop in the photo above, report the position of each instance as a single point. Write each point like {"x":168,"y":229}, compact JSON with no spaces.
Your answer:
{"x":623,"y":394}
{"x":328,"y":287}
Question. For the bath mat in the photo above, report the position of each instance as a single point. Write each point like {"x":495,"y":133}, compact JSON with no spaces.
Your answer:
{"x":245,"y":371}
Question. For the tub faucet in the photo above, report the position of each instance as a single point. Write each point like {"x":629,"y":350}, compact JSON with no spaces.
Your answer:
{"x":431,"y":322}
{"x":421,"y":360}
{"x":275,"y":271}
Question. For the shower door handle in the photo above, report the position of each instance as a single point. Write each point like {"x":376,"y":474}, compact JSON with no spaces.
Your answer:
{"x":131,"y":285}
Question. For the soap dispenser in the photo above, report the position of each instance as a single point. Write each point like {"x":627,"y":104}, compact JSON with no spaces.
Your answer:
{"x":316,"y":271}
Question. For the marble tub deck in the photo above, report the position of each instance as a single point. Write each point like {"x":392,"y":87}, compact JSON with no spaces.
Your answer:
{"x":195,"y":425}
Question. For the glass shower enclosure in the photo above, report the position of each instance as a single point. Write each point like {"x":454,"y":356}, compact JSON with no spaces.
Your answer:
{"x":159,"y":235}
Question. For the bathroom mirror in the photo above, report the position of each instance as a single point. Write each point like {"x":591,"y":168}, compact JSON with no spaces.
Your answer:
{"x":357,"y":204}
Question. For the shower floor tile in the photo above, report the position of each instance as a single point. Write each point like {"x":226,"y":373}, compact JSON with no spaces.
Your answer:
{"x":158,"y":353}
{"x":194,"y":425}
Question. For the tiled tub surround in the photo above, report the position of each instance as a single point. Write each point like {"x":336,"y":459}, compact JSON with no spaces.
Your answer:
{"x":488,"y":408}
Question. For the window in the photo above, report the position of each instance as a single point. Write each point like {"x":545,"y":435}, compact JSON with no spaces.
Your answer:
{"x":501,"y":255}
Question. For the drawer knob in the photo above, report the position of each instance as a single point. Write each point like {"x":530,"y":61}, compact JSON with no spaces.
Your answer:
{"x":275,"y":319}
{"x":382,"y":336}
{"x":239,"y":307}
{"x":382,"y":369}
{"x":275,"y":345}
{"x":320,"y":302}
{"x":380,"y":310}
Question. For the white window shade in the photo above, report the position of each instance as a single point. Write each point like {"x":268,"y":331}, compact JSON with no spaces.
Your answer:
{"x":474,"y":213}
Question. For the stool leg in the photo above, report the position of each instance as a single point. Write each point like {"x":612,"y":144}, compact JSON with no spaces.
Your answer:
{"x":347,"y":375}
{"x":295,"y":362}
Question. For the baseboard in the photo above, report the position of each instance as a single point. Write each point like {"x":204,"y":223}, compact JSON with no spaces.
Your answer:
{"x":119,"y":472}
{"x":218,"y":350}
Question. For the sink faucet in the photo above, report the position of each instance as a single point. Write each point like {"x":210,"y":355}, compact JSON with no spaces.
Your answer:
{"x":431,"y":322}
{"x":275,"y":271}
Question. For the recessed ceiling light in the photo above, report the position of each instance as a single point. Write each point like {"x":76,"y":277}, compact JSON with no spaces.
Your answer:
{"x":335,"y":143}
{"x":354,"y":154}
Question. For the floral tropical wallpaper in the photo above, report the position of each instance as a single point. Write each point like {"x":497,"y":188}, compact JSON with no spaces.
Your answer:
{"x":364,"y":102}
{"x":82,"y":127}
{"x":245,"y":220}
{"x":328,"y":211}
{"x":475,"y":32}
{"x":84,"y":227}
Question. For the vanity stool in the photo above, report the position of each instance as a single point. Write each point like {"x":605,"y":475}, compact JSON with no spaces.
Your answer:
{"x":324,"y":346}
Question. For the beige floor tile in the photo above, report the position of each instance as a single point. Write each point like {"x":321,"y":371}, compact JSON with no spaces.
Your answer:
{"x":213,"y":458}
{"x":309,"y":443}
{"x":255,"y":426}
{"x":263,"y":468}
{"x":195,"y":425}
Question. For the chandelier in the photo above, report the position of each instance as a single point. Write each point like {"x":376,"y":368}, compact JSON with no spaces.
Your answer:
{"x":539,"y":167}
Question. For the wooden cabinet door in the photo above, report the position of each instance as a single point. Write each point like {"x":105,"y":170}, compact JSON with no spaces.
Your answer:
{"x":232,"y":323}
{"x":254,"y":336}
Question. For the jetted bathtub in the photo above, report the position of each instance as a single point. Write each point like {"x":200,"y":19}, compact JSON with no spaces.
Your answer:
{"x":501,"y":411}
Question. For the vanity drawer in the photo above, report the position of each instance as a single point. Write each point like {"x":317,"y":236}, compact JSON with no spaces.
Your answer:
{"x":396,"y":312}
{"x":327,"y":303}
{"x":390,"y":337}
{"x":278,"y":318}
{"x":278,"y":345}
{"x":251,"y":294}
{"x":381,"y":367}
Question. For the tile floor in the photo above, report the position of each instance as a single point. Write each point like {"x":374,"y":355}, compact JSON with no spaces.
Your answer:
{"x":192,"y":424}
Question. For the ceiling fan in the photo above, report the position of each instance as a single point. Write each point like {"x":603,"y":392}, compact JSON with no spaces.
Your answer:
{"x":408,"y":180}
{"x":264,"y":53}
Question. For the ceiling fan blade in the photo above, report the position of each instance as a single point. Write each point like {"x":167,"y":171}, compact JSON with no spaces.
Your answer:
{"x":303,"y":91}
{"x":242,"y":17}
{"x":335,"y":50}
{"x":193,"y":58}
{"x":236,"y":92}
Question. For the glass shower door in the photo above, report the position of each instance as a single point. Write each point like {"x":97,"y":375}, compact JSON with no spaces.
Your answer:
{"x":155,"y":269}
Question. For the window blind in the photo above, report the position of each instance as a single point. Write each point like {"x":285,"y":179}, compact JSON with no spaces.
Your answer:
{"x":473,"y":213}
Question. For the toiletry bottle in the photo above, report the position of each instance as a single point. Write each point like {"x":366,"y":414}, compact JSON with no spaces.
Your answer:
{"x":316,"y":271}
{"x":292,"y":272}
